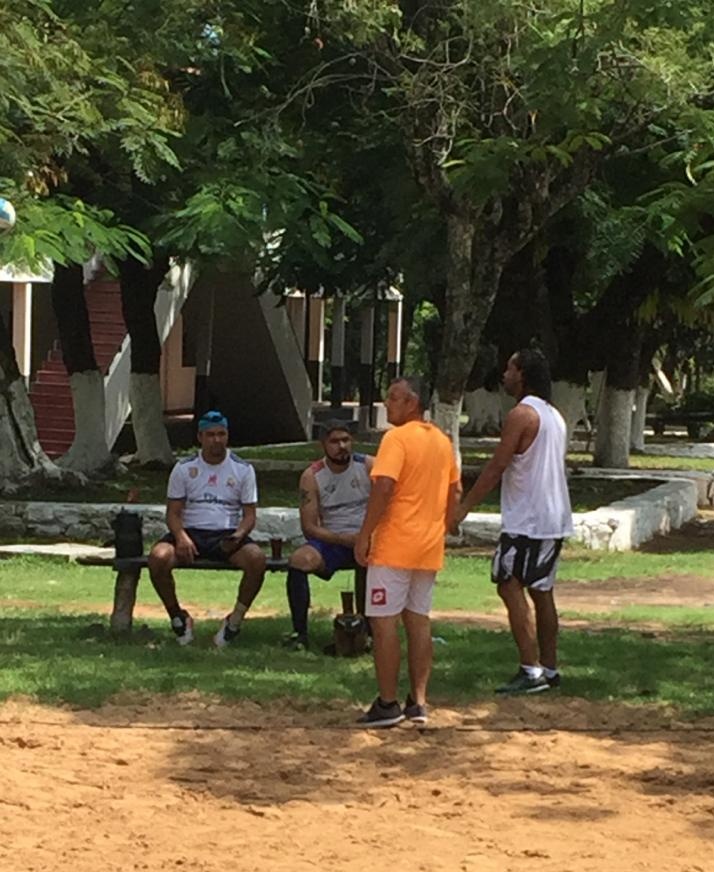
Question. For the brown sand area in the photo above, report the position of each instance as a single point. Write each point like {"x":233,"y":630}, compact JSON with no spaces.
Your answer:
{"x":521,"y":785}
{"x":551,"y":784}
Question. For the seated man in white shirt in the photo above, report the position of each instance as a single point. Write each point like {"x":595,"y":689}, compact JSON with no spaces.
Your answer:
{"x":211,"y":510}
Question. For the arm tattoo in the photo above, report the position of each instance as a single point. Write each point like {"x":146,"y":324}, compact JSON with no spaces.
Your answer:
{"x":305,"y":496}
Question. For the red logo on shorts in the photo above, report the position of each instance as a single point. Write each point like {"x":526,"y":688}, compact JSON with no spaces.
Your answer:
{"x":379,"y":596}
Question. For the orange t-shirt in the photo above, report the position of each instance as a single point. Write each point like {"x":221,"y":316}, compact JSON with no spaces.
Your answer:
{"x":410,"y":534}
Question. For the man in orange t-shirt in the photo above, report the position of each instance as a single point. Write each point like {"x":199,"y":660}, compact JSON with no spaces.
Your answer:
{"x":415,"y":489}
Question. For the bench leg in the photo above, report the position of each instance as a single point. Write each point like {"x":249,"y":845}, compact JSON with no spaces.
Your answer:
{"x":124,"y":599}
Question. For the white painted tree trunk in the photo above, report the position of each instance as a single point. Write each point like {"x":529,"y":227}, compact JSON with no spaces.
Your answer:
{"x":612,"y":441}
{"x":20,"y":450}
{"x":637,"y":435}
{"x":484,"y":410}
{"x":447,"y":416}
{"x":147,"y":419}
{"x":89,"y":451}
{"x":569,"y":399}
{"x":597,"y":388}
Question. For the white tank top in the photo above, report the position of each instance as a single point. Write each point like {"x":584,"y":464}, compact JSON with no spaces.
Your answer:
{"x":534,"y":489}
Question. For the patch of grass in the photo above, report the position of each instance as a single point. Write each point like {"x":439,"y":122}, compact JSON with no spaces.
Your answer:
{"x":675,"y":618}
{"x":51,"y":658}
{"x":46,"y":651}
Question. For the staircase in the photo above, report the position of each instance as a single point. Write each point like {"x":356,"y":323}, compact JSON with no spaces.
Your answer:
{"x":50,"y":393}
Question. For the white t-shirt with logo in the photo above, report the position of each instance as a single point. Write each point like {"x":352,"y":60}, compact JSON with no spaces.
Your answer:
{"x":214,"y":493}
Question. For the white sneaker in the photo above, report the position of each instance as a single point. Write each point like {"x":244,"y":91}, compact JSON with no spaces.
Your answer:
{"x":226,"y":634}
{"x":182,"y":625}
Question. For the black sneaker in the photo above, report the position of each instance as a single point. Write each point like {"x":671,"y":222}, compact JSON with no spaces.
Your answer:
{"x":382,"y":714}
{"x":554,"y":680}
{"x":182,"y":625}
{"x":414,"y":712}
{"x":523,"y":683}
{"x":226,"y":634}
{"x":295,"y":642}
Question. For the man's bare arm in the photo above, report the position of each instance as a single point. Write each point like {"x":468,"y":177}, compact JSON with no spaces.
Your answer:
{"x":247,"y":522}
{"x":185,"y":547}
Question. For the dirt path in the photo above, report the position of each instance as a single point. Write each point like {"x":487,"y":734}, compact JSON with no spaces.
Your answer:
{"x":592,"y":598}
{"x":197,"y":785}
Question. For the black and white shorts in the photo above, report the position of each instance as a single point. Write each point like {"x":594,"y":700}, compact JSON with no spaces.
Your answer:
{"x":534,"y":562}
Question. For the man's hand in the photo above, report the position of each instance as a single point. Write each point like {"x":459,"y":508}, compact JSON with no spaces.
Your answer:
{"x":361,"y":549}
{"x":186,"y":549}
{"x":348,"y":540}
{"x":460,"y":513}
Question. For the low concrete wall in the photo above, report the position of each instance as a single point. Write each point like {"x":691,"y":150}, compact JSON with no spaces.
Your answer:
{"x":618,"y":527}
{"x":87,"y":521}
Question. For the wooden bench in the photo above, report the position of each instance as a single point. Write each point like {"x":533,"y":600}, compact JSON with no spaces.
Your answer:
{"x":128,"y":570}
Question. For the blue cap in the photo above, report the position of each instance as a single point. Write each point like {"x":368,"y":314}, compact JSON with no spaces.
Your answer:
{"x":212,"y":419}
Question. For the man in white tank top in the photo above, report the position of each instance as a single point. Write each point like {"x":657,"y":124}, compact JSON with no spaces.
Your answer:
{"x":529,"y":461}
{"x":333,"y":499}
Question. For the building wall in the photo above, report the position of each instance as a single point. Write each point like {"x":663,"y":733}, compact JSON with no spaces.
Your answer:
{"x":257,"y":374}
{"x":177,"y":380}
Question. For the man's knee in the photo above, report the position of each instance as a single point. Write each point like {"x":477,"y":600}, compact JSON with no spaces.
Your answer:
{"x":250,"y":558}
{"x":509,"y":589}
{"x":384,"y":626}
{"x":162,"y":558}
{"x":306,"y":559}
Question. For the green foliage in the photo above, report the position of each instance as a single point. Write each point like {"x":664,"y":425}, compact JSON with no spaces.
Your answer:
{"x":64,"y":230}
{"x":63,"y":99}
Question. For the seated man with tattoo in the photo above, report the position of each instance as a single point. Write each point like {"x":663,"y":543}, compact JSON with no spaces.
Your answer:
{"x":333,"y":498}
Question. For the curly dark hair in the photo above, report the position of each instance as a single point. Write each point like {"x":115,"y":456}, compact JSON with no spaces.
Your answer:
{"x":536,"y":372}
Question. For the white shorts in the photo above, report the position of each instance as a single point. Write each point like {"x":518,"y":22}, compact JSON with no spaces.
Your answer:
{"x":390,"y":591}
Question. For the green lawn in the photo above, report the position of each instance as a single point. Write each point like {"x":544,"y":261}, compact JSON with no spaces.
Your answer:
{"x":50,"y":650}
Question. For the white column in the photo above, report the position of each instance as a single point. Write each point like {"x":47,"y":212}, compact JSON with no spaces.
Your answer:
{"x":394,"y":339}
{"x":337,"y":357}
{"x":22,"y":326}
{"x":316,"y":344}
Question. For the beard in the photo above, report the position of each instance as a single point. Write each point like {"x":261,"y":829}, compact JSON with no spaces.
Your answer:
{"x":341,"y":459}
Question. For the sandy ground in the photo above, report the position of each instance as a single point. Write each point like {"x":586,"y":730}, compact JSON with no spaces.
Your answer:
{"x":509,"y":786}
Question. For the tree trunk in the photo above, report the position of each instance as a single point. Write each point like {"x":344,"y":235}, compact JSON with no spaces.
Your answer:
{"x":637,"y":435}
{"x":484,"y":410}
{"x":147,"y":419}
{"x":569,"y":400}
{"x":89,"y":451}
{"x":20,"y":451}
{"x":612,"y":441}
{"x":139,"y":286}
{"x":623,"y":351}
{"x":448,"y":417}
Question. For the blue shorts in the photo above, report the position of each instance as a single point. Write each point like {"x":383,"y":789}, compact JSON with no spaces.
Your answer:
{"x":334,"y":557}
{"x":208,"y":542}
